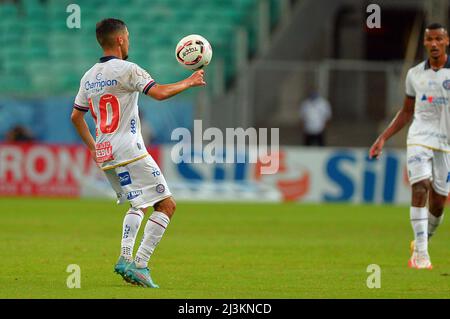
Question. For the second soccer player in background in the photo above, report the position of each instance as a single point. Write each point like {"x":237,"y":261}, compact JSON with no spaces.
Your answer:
{"x":428,"y":143}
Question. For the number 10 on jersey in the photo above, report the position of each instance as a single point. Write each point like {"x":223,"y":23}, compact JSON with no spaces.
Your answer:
{"x":109,"y":113}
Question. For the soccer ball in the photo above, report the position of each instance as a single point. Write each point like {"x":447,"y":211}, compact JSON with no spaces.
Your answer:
{"x":193,"y":52}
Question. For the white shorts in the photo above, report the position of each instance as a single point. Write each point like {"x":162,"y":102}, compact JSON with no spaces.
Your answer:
{"x":427,"y":164}
{"x":140,"y":182}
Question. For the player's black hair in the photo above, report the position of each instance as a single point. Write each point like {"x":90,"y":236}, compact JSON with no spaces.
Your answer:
{"x":107,"y":27}
{"x":435,"y":26}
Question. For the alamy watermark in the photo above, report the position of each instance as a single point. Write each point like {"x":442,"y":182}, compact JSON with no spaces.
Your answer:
{"x":236,"y":145}
{"x":73,"y":21}
{"x":374,"y":279}
{"x":74,"y":279}
{"x":373,"y":21}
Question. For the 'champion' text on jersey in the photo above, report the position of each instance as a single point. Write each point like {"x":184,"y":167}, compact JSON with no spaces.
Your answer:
{"x":110,"y":90}
{"x":431,"y":90}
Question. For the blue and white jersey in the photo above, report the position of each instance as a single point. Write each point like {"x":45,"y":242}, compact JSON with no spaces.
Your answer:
{"x":431,"y":90}
{"x":110,"y":90}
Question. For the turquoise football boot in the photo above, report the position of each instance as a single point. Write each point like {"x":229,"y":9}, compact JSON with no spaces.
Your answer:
{"x":121,"y":266}
{"x":140,"y":276}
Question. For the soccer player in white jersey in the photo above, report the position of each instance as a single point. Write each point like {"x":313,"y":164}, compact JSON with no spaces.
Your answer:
{"x":428,"y":143}
{"x":110,"y":90}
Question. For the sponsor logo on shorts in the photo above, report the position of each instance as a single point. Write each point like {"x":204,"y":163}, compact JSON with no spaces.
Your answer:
{"x":446,"y":84}
{"x":414,"y":159}
{"x":156,"y":172}
{"x":448,"y":177}
{"x":160,"y":188}
{"x":124,"y":178}
{"x":133,"y":194}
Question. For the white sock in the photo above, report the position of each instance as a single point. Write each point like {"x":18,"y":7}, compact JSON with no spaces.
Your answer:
{"x":419,"y":222}
{"x":131,"y":224}
{"x":433,"y":223}
{"x":153,"y":232}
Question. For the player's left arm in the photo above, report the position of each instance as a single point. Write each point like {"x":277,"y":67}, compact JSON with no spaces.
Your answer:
{"x":82,"y":128}
{"x":165,"y":91}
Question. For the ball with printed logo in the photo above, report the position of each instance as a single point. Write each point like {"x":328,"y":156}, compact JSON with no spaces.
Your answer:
{"x":193,"y":52}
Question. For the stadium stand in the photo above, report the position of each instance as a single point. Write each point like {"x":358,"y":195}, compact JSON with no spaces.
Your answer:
{"x":41,"y":53}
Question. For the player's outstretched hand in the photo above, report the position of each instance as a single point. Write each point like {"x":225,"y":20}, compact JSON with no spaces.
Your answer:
{"x":196,"y":79}
{"x":376,"y":149}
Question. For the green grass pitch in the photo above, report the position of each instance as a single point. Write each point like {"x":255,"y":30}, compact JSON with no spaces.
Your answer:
{"x":219,"y":250}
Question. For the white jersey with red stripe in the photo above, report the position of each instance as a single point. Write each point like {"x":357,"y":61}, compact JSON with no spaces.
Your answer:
{"x":110,"y":90}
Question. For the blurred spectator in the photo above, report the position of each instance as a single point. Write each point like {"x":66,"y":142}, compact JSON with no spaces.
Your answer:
{"x":19,"y":134}
{"x":315,"y":113}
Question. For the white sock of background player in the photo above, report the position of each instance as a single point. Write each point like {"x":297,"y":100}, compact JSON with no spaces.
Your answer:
{"x":153,"y":232}
{"x":131,"y":224}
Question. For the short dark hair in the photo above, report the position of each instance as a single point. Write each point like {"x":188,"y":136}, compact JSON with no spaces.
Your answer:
{"x":107,"y":27}
{"x":435,"y":26}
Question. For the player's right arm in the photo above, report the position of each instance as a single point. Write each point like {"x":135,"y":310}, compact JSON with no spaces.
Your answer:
{"x":79,"y":110}
{"x":82,"y":128}
{"x":402,"y":118}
